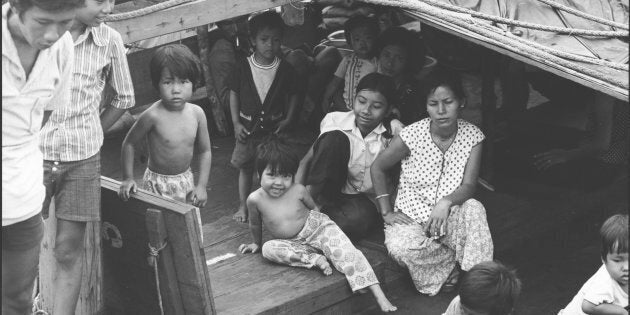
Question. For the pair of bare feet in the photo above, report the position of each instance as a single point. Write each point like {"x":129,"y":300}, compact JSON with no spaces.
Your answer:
{"x":385,"y":305}
{"x":240,"y":215}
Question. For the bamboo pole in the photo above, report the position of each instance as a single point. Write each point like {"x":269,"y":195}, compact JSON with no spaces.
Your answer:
{"x":215,"y":103}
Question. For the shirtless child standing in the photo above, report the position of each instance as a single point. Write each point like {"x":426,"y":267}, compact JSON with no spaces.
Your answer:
{"x":303,"y":236}
{"x":174,"y":128}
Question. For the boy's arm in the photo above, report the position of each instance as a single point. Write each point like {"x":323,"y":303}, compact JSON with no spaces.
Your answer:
{"x":205,"y":158}
{"x":602,"y":309}
{"x":135,"y":134}
{"x":240,"y":133}
{"x":255,"y":226}
{"x":120,"y":80}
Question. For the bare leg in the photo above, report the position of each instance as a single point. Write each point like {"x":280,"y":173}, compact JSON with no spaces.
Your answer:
{"x":68,"y":250}
{"x":244,"y":188}
{"x":381,"y":299}
{"x":19,"y":269}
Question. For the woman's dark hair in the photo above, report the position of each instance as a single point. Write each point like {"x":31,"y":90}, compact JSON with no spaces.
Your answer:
{"x":409,"y":41}
{"x":47,"y":5}
{"x":614,"y":233}
{"x":383,"y":84}
{"x":180,"y":62}
{"x":490,"y":287}
{"x":267,"y":19}
{"x":446,"y":78}
{"x":275,"y":152}
{"x":359,"y":21}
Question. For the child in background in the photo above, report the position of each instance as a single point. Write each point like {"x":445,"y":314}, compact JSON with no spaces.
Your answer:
{"x":175,"y":130}
{"x":360,"y":33}
{"x":263,"y":98}
{"x":301,"y":233}
{"x":71,"y":141}
{"x":489,"y":288}
{"x":606,"y":292}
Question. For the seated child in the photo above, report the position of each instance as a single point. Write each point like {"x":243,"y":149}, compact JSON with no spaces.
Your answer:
{"x":174,"y":130}
{"x":360,"y":33}
{"x":303,"y":236}
{"x":488,"y":288}
{"x":264,"y":94}
{"x":606,"y":292}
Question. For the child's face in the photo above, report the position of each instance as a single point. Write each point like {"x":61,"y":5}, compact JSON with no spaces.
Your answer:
{"x":362,"y":41}
{"x":94,"y":12}
{"x":393,"y":60}
{"x":370,"y":108}
{"x":443,"y":107}
{"x":617,"y":267}
{"x":174,"y":91}
{"x":275,"y":184}
{"x":41,"y":28}
{"x":266,"y":44}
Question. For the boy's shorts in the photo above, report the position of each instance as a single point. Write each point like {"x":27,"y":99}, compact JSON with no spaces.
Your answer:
{"x":171,"y":186}
{"x":244,"y":154}
{"x":23,"y":235}
{"x":76,"y":186}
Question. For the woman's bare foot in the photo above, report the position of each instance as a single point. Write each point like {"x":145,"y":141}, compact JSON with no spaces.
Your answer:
{"x":240,"y":215}
{"x":324,"y":266}
{"x":381,"y":299}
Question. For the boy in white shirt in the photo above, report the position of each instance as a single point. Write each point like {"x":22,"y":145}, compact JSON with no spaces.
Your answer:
{"x":606,"y":292}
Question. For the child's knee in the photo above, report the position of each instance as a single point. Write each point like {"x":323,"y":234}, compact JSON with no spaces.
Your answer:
{"x":473,"y":206}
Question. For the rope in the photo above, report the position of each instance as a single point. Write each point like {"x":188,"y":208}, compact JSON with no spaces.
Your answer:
{"x":144,"y":11}
{"x":585,"y":15}
{"x":536,"y":26}
{"x":499,"y":39}
{"x":153,"y":260}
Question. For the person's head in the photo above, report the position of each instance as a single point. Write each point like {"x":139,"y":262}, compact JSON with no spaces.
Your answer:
{"x":42,"y":22}
{"x":386,"y":18}
{"x":489,"y":288}
{"x":400,"y":52}
{"x":276,"y":164}
{"x":360,"y":32}
{"x":175,"y":73}
{"x":445,"y":98}
{"x":372,"y":101}
{"x":614,"y":233}
{"x":265,"y":34}
{"x":94,"y":12}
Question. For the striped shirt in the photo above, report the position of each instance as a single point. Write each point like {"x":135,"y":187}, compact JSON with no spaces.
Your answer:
{"x":74,"y":131}
{"x":351,"y":69}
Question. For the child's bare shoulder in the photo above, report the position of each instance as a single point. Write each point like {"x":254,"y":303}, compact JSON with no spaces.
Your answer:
{"x":255,"y":196}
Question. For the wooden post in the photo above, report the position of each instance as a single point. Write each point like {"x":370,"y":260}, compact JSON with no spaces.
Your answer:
{"x":215,"y":103}
{"x":169,"y":286}
{"x":91,"y":295}
{"x":489,"y":61}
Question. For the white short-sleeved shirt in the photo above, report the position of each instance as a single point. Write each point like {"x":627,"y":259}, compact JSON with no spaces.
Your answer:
{"x":351,"y":69}
{"x":427,"y":174}
{"x":363,"y":151}
{"x":600,"y":288}
{"x":24,"y":101}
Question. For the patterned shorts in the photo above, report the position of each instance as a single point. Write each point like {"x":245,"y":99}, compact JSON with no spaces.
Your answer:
{"x":171,"y":186}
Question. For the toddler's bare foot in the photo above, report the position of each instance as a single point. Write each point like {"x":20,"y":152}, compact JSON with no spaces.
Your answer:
{"x":385,"y":305}
{"x":240,"y":215}
{"x":324,"y":266}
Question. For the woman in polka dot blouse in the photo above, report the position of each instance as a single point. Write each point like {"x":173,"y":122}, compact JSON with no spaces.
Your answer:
{"x":435,"y":224}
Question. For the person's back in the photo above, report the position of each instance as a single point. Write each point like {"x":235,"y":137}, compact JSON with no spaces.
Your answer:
{"x":175,"y":130}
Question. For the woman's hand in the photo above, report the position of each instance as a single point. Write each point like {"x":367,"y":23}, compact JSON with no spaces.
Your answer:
{"x":545,"y":160}
{"x":392,"y":218}
{"x":436,"y":225}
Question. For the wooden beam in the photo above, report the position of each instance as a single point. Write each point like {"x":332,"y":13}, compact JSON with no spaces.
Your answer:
{"x":188,"y":15}
{"x":541,"y":63}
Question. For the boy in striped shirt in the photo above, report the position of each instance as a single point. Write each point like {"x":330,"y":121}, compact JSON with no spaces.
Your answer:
{"x":72,"y":138}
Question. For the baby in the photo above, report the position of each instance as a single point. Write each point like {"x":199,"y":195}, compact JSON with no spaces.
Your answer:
{"x":303,"y":236}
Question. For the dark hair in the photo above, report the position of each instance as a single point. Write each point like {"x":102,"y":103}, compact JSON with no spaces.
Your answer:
{"x":359,"y":21}
{"x":383,"y":84}
{"x":180,"y":62}
{"x":47,"y":5}
{"x":267,"y":19}
{"x":614,"y":233}
{"x":490,"y":287}
{"x":445,"y":78}
{"x":275,"y":152}
{"x":407,"y":40}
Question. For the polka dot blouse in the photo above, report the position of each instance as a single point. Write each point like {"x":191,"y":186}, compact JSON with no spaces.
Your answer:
{"x":427,"y":174}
